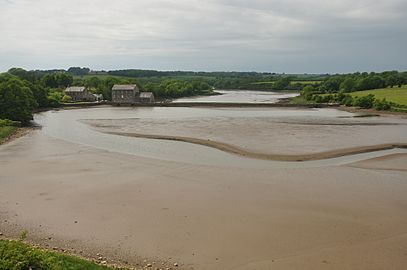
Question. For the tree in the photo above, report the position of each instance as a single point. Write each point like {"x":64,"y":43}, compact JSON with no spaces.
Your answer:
{"x":40,"y":94}
{"x":49,"y":80}
{"x":78,"y":71}
{"x":331,"y":85}
{"x":308,"y":91}
{"x":92,"y":82}
{"x":63,"y":79}
{"x":348,"y":85}
{"x":282,"y":83}
{"x":16,"y":100}
{"x":392,"y":80}
{"x":23,"y":74}
{"x":57,"y":80}
{"x":370,"y":82}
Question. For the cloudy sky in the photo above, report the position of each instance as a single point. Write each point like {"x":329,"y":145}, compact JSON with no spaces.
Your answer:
{"x":293,"y":36}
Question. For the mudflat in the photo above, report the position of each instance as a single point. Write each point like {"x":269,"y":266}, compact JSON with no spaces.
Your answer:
{"x":279,"y":134}
{"x":136,"y":209}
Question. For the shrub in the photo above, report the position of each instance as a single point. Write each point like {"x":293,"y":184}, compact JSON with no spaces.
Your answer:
{"x":365,"y":102}
{"x":54,"y":98}
{"x":382,"y":105}
{"x":66,"y":98}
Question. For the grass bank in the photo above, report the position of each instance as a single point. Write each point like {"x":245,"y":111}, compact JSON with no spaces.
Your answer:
{"x":396,"y":95}
{"x":17,"y":255}
{"x":6,"y":132}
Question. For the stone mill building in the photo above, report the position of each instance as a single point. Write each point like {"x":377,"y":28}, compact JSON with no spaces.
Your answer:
{"x":130,"y":94}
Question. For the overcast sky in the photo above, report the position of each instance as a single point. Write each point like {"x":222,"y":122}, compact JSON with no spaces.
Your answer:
{"x":292,"y":36}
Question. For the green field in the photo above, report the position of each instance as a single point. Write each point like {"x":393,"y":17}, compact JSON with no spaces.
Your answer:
{"x":6,"y":132}
{"x":395,"y":94}
{"x":16,"y":255}
{"x":292,"y":82}
{"x":99,"y":76}
{"x":306,"y":82}
{"x":104,"y":76}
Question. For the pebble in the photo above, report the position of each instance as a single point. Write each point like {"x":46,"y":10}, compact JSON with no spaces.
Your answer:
{"x":176,"y":264}
{"x":1,"y":234}
{"x":103,"y":262}
{"x":149,"y":265}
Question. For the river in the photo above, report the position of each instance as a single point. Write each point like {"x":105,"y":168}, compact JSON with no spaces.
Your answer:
{"x":238,"y":96}
{"x":68,"y":125}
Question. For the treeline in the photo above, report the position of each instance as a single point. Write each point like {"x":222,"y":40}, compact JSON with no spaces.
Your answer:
{"x":219,"y":80}
{"x":138,"y":73}
{"x":336,"y":89}
{"x":359,"y":81}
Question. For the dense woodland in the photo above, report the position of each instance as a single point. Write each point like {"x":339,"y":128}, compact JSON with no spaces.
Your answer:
{"x":22,"y":91}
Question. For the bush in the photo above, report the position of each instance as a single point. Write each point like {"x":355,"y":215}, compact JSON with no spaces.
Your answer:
{"x":365,"y":102}
{"x":382,"y":105}
{"x":54,"y":98}
{"x":66,"y":98}
{"x":347,"y":101}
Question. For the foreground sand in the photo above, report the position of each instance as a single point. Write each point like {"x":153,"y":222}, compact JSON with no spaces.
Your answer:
{"x":133,"y":209}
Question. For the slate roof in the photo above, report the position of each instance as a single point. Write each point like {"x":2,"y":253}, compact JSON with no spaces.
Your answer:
{"x":130,"y":87}
{"x":75,"y":89}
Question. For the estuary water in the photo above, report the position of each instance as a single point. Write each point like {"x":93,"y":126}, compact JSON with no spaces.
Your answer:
{"x":68,"y":125}
{"x":240,"y":96}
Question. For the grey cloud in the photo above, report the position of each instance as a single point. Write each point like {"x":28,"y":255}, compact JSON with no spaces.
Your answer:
{"x":263,"y":35}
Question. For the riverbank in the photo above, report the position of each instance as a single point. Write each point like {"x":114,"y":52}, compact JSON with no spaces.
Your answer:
{"x":26,"y":256}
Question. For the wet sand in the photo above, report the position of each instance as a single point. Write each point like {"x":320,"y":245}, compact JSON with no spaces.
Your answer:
{"x":233,"y":149}
{"x":204,"y":217}
{"x":271,"y":136}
